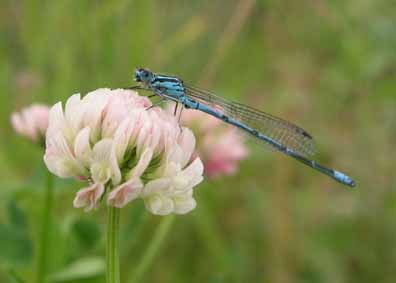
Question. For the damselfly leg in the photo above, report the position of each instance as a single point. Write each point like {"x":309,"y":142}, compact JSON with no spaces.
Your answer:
{"x":158,"y":103}
{"x":180,"y":114}
{"x":135,"y":87}
{"x":175,"y":111}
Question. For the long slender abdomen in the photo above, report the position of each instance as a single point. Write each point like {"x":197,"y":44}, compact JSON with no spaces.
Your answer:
{"x":336,"y":175}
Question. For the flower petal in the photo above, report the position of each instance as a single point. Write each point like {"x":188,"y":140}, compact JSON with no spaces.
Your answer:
{"x":156,"y":186}
{"x":175,"y":156}
{"x":18,"y":124}
{"x":184,"y":203}
{"x":125,"y":193}
{"x":194,"y":172}
{"x":82,"y":147}
{"x":74,"y":112}
{"x":142,"y":137}
{"x":142,"y":164}
{"x":89,"y":197}
{"x":56,"y":118}
{"x":104,"y":165}
{"x":59,"y":158}
{"x":94,"y":104}
{"x":30,"y":127}
{"x":122,"y":137}
{"x":159,"y":205}
{"x":187,"y":143}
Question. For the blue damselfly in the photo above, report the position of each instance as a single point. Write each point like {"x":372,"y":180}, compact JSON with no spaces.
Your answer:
{"x":275,"y":132}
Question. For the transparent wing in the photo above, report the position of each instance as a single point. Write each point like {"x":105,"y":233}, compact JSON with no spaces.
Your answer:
{"x":275,"y":128}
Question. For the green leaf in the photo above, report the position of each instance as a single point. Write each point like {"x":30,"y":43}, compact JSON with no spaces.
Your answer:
{"x":16,"y":216}
{"x":87,"y":232}
{"x":81,"y":269}
{"x":15,"y":246}
{"x":15,"y":243}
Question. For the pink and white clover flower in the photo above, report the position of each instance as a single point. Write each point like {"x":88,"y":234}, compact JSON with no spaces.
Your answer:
{"x":31,"y":122}
{"x":124,"y":150}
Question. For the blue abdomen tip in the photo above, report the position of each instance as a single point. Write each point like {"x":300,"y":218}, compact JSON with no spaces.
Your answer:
{"x":341,"y":177}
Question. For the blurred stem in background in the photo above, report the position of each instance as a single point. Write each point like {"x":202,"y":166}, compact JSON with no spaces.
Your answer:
{"x":112,"y":253}
{"x":208,"y":234}
{"x":241,"y":13}
{"x":42,"y":260}
{"x":155,"y":245}
{"x":282,"y":233}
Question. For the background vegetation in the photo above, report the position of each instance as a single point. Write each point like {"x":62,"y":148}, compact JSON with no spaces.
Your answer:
{"x":326,"y":65}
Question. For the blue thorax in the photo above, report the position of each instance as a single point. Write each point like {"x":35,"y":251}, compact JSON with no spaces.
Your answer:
{"x":167,"y":86}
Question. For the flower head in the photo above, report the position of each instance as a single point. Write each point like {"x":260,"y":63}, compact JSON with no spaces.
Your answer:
{"x":110,"y":139}
{"x":220,"y":146}
{"x":31,"y":122}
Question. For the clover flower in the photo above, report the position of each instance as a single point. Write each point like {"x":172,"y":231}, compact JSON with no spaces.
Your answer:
{"x":220,"y":146}
{"x":111,"y":139}
{"x":31,"y":122}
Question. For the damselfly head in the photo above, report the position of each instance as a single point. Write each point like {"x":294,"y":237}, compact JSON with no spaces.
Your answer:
{"x":143,"y":75}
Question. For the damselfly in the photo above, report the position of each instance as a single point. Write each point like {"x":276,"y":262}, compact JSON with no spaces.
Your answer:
{"x":275,"y":132}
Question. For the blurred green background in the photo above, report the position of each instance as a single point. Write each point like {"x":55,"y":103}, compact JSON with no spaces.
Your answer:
{"x":329,"y":66}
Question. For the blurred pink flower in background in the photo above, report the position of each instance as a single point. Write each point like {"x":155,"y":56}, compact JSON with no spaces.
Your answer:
{"x":124,"y":150}
{"x":220,"y":146}
{"x":31,"y":122}
{"x":26,"y":80}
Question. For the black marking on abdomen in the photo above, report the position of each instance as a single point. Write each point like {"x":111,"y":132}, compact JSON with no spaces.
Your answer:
{"x":305,"y":134}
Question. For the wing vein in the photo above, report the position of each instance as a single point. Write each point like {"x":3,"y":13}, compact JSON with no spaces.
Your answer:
{"x":276,"y":128}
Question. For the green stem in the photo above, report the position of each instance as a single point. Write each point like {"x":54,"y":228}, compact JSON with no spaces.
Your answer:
{"x":152,"y":250}
{"x":45,"y":230}
{"x":112,"y":255}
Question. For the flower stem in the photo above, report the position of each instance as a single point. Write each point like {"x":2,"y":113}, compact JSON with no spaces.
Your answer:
{"x":45,"y":230}
{"x":112,"y":255}
{"x":152,"y":250}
